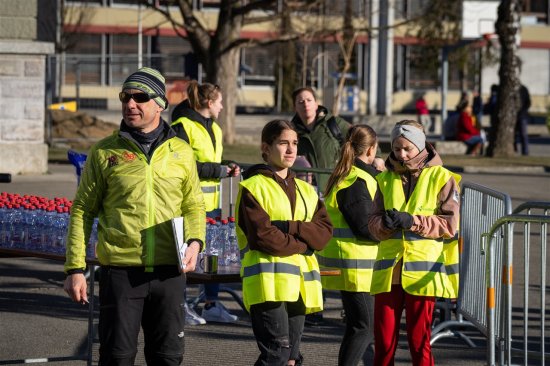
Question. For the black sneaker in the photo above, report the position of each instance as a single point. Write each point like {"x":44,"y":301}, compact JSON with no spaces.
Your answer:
{"x":314,"y":319}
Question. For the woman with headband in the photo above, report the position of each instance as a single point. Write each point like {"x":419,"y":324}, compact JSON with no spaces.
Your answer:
{"x":415,"y":217}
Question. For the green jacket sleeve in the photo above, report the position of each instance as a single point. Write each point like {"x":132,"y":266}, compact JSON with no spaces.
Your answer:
{"x":192,"y":207}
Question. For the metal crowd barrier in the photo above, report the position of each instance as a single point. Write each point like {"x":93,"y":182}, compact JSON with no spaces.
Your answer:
{"x":521,"y":335}
{"x":480,"y":208}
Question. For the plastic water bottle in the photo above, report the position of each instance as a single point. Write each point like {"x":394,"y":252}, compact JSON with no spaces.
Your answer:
{"x":17,"y":228}
{"x":212,"y":242}
{"x":33,"y":230}
{"x":209,"y":233}
{"x":223,"y":259}
{"x":234,"y":253}
{"x":60,"y":224}
{"x":4,"y":226}
{"x":49,"y":234}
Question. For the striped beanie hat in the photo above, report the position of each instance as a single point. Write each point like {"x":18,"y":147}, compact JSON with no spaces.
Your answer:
{"x":149,"y":81}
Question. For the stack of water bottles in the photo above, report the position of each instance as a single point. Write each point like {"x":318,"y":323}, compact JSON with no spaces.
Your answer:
{"x":37,"y":224}
{"x":221,"y":240}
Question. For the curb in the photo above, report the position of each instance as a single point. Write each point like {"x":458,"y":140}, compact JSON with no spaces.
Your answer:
{"x":531,"y":170}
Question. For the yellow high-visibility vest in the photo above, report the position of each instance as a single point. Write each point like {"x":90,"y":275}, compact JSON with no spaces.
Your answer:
{"x":430,"y":266}
{"x":274,"y":278}
{"x":205,"y":152}
{"x":353,"y":257}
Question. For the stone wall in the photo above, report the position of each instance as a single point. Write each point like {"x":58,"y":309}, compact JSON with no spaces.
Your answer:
{"x":22,"y":90}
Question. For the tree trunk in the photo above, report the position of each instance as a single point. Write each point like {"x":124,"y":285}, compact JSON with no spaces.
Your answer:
{"x":227,"y":71}
{"x":347,"y":44}
{"x":222,"y":66}
{"x":501,"y":143}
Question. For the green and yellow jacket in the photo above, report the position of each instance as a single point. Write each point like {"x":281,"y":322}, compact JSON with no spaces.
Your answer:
{"x":135,"y":197}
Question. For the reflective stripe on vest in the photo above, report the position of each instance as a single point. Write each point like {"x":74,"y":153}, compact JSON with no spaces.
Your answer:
{"x":205,"y":152}
{"x":210,"y":189}
{"x":276,"y":278}
{"x":354,"y":258}
{"x":258,"y":268}
{"x":433,"y":270}
{"x":410,"y":236}
{"x":346,"y":263}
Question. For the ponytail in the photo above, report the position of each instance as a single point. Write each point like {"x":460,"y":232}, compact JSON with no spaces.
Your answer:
{"x":200,"y":94}
{"x":358,"y":140}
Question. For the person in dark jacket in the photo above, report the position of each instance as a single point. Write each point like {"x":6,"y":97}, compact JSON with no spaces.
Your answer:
{"x":352,"y":249}
{"x":320,"y":134}
{"x":522,"y":121}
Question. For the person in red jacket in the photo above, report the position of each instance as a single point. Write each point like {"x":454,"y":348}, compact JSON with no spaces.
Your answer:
{"x":467,"y":130}
{"x":423,"y":113}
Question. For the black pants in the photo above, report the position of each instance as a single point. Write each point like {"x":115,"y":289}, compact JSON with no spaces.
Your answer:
{"x":130,"y":297}
{"x":521,"y":135}
{"x":359,"y":309}
{"x":278,"y":328}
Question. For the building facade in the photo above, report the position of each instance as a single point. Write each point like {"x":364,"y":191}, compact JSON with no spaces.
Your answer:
{"x":114,"y":37}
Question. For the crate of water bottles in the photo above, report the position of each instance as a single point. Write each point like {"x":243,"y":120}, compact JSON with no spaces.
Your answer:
{"x":221,"y":240}
{"x":37,"y":224}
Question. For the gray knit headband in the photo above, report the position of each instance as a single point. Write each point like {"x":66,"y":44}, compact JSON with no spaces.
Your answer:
{"x":411,"y":133}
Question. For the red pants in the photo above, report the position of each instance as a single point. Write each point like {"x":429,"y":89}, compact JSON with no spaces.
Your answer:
{"x":388,"y":307}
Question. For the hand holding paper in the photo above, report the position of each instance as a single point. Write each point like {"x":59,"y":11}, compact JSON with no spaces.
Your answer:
{"x":187,"y":254}
{"x":191,"y":256}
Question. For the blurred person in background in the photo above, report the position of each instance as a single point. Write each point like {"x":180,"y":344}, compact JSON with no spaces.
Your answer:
{"x":320,"y":134}
{"x":467,"y":130}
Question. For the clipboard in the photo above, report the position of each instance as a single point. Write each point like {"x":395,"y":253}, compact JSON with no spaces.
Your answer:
{"x":181,"y":245}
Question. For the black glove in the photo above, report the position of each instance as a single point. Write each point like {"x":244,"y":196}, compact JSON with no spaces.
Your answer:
{"x":401,"y":220}
{"x":308,"y":252}
{"x":281,"y":225}
{"x":388,"y":221}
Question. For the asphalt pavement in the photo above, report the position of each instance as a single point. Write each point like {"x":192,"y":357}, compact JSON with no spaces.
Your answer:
{"x":39,"y":321}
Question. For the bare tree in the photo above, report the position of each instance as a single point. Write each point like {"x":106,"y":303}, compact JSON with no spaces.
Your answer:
{"x":501,"y":142}
{"x":346,"y":42}
{"x":72,"y":18}
{"x":218,"y":49}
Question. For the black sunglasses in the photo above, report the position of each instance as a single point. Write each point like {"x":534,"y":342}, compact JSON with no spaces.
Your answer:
{"x":138,"y":97}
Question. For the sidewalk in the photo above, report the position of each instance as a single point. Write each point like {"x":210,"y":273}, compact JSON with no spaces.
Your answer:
{"x":39,"y":320}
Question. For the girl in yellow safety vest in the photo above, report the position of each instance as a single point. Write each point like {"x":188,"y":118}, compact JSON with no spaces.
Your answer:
{"x":415,"y":217}
{"x":352,"y":249}
{"x":194,"y":121}
{"x":281,"y":221}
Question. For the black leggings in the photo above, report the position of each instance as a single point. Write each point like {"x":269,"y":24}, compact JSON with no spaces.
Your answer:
{"x":359,"y":310}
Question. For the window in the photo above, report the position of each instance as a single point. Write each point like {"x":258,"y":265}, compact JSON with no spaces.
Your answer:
{"x":419,"y":68}
{"x":123,"y":58}
{"x":258,"y":65}
{"x":538,"y":9}
{"x":84,"y":60}
{"x":172,"y":51}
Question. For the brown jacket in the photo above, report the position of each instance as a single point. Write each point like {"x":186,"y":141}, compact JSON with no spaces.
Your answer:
{"x":262,"y":235}
{"x":443,"y":224}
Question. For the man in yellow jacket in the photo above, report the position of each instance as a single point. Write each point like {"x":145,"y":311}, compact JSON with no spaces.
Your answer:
{"x":135,"y":181}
